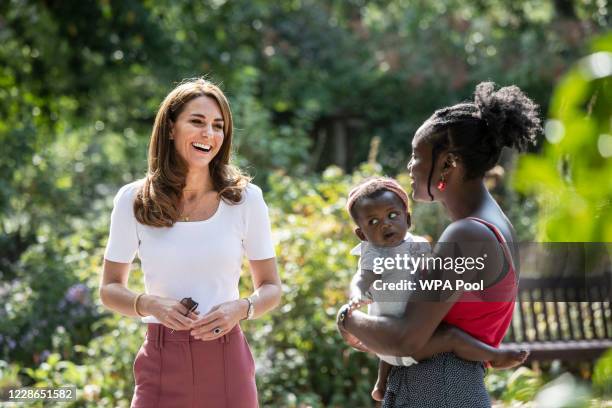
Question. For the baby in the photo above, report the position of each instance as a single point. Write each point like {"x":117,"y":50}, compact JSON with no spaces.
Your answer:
{"x":379,"y":207}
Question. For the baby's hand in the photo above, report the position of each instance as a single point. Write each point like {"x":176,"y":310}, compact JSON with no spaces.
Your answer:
{"x":357,"y":302}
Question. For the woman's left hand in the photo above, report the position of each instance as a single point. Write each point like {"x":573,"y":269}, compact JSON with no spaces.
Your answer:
{"x":223,"y":316}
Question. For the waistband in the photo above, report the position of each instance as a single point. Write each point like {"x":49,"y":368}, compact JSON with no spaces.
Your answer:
{"x":160,"y":334}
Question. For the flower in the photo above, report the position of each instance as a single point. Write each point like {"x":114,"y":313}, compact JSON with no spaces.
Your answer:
{"x":77,"y":293}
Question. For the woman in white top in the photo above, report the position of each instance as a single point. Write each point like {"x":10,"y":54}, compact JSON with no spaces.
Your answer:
{"x":191,"y":220}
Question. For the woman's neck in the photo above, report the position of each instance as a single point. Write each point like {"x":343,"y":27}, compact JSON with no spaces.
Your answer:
{"x":197,"y":183}
{"x":465,"y":199}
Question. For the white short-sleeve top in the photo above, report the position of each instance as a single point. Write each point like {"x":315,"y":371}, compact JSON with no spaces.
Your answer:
{"x":199,"y":259}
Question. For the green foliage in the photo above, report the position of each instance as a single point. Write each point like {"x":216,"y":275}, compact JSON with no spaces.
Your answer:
{"x":572,"y":177}
{"x":302,"y":358}
{"x":9,"y":375}
{"x":80,"y":83}
{"x":101,"y":371}
{"x":602,"y":375}
{"x":523,"y":384}
{"x":298,"y":349}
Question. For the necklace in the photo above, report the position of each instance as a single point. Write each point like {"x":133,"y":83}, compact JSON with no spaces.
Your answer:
{"x":200,"y":213}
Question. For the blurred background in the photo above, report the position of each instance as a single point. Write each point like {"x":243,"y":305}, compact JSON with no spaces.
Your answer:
{"x":323,"y":94}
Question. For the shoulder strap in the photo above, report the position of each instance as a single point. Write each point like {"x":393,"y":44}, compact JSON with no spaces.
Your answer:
{"x":500,"y":238}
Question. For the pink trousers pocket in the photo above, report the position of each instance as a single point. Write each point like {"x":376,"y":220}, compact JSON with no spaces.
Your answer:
{"x":146,"y":376}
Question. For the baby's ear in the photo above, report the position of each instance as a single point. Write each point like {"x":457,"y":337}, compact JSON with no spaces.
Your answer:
{"x":359,"y":234}
{"x":408,"y":219}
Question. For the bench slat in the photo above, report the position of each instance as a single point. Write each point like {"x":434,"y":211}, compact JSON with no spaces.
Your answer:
{"x":546,"y":320}
{"x":581,"y":312}
{"x":559,"y":331}
{"x":590,"y":307}
{"x":534,"y":316}
{"x":523,"y":325}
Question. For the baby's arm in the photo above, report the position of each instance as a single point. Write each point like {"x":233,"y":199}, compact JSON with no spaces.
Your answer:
{"x":360,"y":284}
{"x":378,"y":393}
{"x":448,"y":338}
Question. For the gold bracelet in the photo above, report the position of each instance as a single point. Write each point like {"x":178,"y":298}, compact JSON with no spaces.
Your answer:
{"x":136,"y":305}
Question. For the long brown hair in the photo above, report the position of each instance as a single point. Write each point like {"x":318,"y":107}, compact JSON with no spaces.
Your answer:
{"x":158,"y":200}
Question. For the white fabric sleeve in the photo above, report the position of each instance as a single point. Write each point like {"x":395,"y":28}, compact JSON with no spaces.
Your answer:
{"x":422,"y":245}
{"x":367,"y":258}
{"x":123,"y":237}
{"x":257,"y":240}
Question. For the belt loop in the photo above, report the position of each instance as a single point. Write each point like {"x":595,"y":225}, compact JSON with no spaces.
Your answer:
{"x":162,"y":334}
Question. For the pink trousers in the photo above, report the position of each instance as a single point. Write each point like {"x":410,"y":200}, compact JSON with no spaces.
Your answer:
{"x":176,"y":370}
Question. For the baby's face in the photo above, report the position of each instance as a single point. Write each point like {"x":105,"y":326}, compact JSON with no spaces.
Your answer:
{"x":383,"y":220}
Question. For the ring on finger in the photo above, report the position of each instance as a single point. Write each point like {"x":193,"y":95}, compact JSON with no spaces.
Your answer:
{"x":217,"y":330}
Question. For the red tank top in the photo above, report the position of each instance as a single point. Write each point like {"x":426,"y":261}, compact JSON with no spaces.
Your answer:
{"x":487,"y":321}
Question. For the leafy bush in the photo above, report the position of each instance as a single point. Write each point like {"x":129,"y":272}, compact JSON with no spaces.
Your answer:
{"x":602,"y":375}
{"x":80,"y":87}
{"x":571,"y":177}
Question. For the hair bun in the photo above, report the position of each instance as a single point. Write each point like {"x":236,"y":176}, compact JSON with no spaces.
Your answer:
{"x":511,"y":117}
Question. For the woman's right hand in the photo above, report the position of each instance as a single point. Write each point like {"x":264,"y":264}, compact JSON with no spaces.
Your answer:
{"x":170,"y":312}
{"x":348,"y":338}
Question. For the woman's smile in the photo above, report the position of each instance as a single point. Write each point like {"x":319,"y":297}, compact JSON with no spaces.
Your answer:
{"x":204,"y":150}
{"x":201,"y":147}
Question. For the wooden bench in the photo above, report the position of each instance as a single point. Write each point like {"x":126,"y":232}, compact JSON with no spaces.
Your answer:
{"x":553,"y":321}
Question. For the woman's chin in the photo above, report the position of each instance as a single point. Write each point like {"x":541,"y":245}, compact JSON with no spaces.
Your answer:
{"x":198,"y":164}
{"x":418,"y":197}
{"x":200,"y":161}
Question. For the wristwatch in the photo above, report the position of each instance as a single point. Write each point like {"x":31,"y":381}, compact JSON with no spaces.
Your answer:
{"x":250,"y":310}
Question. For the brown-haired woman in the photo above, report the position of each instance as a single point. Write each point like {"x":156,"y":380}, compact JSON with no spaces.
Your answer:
{"x":191,"y":220}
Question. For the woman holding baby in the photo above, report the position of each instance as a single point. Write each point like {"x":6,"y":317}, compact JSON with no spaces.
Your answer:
{"x":448,"y":332}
